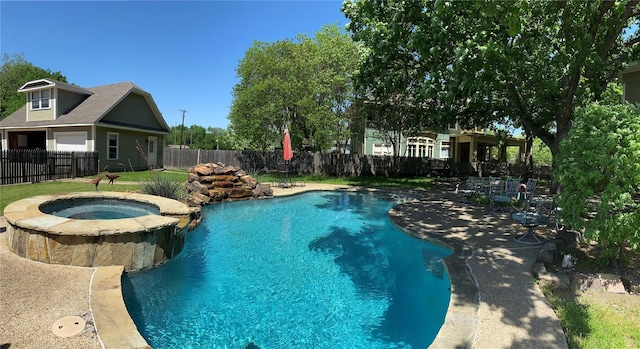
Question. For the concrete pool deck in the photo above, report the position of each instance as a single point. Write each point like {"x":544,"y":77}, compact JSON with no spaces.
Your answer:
{"x":492,"y":284}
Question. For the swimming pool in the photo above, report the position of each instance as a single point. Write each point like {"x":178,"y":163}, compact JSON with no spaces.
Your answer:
{"x":317,"y":270}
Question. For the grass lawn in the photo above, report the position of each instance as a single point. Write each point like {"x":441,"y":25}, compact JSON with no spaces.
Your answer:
{"x":124,"y":182}
{"x":597,"y":320}
{"x":371,"y":182}
{"x":128,"y":181}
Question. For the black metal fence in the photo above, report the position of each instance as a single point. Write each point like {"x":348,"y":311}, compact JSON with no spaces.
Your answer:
{"x":32,"y":165}
{"x":345,"y":165}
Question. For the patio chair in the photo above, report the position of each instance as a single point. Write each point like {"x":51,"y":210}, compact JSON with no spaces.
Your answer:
{"x":503,"y":193}
{"x":530,"y":188}
{"x":469,"y":190}
{"x":534,"y":214}
{"x":285,"y":175}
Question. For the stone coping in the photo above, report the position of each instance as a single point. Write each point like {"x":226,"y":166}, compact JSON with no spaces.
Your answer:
{"x":112,"y":321}
{"x":26,"y":214}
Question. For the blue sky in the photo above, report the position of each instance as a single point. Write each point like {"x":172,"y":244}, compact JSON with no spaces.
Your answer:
{"x":183,"y":53}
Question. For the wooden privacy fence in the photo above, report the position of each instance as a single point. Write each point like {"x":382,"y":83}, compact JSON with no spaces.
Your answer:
{"x":331,"y":164}
{"x":344,"y":165}
{"x":32,"y":165}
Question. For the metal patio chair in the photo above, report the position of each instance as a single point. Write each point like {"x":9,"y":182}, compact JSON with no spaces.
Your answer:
{"x":503,"y":193}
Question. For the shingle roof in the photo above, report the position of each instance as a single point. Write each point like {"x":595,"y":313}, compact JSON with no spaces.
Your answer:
{"x":51,"y":82}
{"x":90,"y":111}
{"x":99,"y":103}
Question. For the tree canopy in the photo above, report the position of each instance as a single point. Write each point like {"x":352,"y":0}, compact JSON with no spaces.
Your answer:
{"x":198,"y":137}
{"x":528,"y":64}
{"x":14,"y":73}
{"x":304,"y":84}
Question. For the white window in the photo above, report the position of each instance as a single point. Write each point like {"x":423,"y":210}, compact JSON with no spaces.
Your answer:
{"x":444,"y":150}
{"x":112,"y":146}
{"x":411,"y":150}
{"x":382,"y":149}
{"x":40,"y":99}
{"x":420,"y":147}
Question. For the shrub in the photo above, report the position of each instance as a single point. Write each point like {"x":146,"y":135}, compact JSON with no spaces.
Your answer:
{"x":599,"y":171}
{"x":160,"y":184}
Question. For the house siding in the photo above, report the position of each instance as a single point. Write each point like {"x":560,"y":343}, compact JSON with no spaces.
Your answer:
{"x":40,"y":114}
{"x":67,"y":101}
{"x":373,"y":137}
{"x":128,"y":155}
{"x":133,"y":111}
{"x":632,"y":87}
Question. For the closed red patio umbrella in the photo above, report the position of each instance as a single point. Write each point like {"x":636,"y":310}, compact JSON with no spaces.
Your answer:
{"x":288,"y":152}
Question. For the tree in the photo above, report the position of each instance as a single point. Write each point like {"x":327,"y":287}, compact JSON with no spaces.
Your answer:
{"x":15,"y":72}
{"x":303,"y":84}
{"x":541,"y":153}
{"x":338,"y":61}
{"x":196,"y":138}
{"x":270,"y":93}
{"x":530,"y":63}
{"x":599,"y":171}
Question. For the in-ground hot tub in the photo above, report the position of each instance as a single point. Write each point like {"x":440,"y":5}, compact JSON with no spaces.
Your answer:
{"x":91,"y":229}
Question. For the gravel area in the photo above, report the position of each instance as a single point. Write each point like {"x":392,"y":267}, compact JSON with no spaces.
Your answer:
{"x":33,"y":296}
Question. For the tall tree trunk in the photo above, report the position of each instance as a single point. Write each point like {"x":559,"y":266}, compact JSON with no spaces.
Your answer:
{"x":561,"y":131}
{"x":528,"y":152}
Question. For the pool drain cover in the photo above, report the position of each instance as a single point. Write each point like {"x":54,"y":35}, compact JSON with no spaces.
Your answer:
{"x":68,"y":326}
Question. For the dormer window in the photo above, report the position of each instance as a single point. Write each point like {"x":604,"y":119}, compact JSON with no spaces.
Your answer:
{"x":40,"y":99}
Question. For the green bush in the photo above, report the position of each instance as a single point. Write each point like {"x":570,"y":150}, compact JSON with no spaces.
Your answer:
{"x":160,"y":184}
{"x":599,"y":171}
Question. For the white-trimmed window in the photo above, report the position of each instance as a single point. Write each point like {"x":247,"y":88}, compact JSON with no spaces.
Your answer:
{"x":382,"y":149}
{"x":40,"y":99}
{"x":420,"y":147}
{"x":444,"y":150}
{"x":112,"y":145}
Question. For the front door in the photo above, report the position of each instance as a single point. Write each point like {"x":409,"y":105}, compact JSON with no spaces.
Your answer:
{"x":152,"y":150}
{"x":465,"y":152}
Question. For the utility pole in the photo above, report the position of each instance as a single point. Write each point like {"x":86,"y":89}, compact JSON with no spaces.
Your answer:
{"x":181,"y":130}
{"x":182,"y":127}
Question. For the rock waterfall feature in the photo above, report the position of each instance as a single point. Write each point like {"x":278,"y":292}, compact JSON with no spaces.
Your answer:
{"x":215,"y":182}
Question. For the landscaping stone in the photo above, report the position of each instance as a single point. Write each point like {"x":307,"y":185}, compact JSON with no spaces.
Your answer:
{"x":598,"y":283}
{"x":612,"y":283}
{"x":215,"y":182}
{"x":538,"y":268}
{"x":631,"y":284}
{"x":548,"y":253}
{"x":586,"y":282}
{"x":556,"y":280}
{"x":545,"y":256}
{"x":570,"y":238}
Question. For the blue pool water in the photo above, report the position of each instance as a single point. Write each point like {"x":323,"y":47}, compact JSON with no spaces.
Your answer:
{"x":98,"y":208}
{"x":318,"y":270}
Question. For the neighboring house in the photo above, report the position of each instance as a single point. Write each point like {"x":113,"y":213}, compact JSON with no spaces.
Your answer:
{"x":630,"y":78}
{"x":111,"y":120}
{"x":462,"y":146}
{"x":477,"y":145}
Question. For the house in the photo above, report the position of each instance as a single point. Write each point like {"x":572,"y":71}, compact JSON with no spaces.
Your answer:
{"x":119,"y":121}
{"x":630,"y":78}
{"x":478,"y":145}
{"x":462,"y":146}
